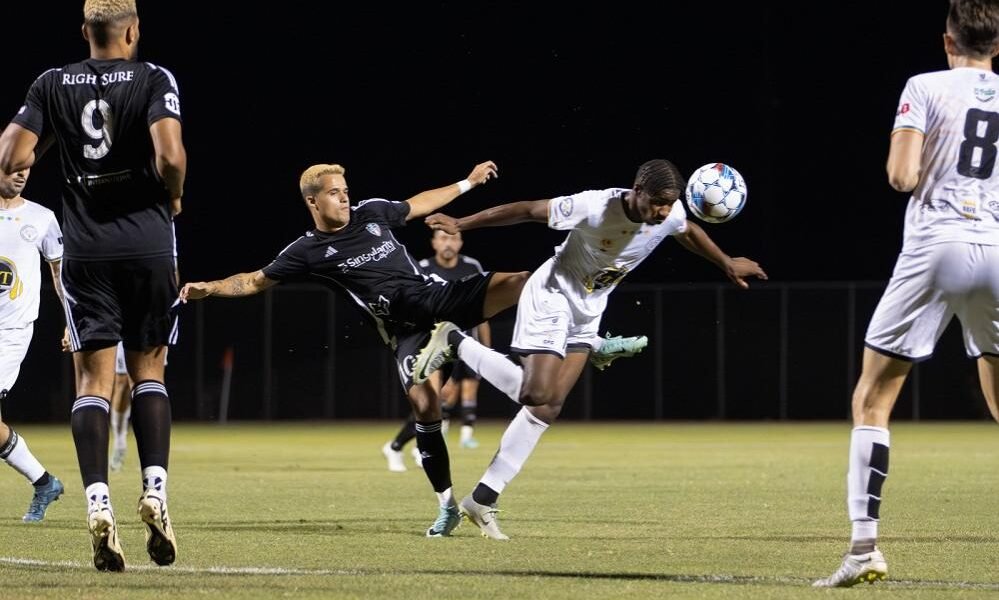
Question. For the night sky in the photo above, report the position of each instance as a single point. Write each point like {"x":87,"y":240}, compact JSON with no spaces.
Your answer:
{"x":563,"y":96}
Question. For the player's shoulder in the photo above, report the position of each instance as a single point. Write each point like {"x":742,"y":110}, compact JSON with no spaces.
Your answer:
{"x":424,"y":262}
{"x":36,"y":209}
{"x":301,"y":243}
{"x":371,"y":203}
{"x":468,"y":260}
{"x":156,"y":70}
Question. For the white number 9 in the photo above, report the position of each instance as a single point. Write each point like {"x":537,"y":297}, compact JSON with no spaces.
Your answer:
{"x":102,"y":135}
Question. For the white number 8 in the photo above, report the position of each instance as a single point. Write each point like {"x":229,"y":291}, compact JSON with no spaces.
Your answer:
{"x":102,"y":135}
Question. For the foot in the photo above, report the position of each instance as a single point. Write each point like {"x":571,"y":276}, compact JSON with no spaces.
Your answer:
{"x":857,"y":568}
{"x":447,"y":520}
{"x":104,"y":537}
{"x":437,"y":353}
{"x":616,"y":347}
{"x":117,"y":459}
{"x":161,"y":544}
{"x":470,"y":443}
{"x":483,"y":516}
{"x":417,"y":457}
{"x":44,"y":495}
{"x":394,"y":458}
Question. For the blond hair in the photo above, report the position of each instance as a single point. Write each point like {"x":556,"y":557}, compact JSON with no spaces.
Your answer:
{"x":309,"y":182}
{"x":104,"y":12}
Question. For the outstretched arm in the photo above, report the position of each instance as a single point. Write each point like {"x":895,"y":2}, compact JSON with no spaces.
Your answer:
{"x":533,"y":211}
{"x":234,"y":286}
{"x":736,"y":269}
{"x":427,"y":202}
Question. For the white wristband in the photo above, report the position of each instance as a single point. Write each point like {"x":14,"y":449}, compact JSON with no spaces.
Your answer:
{"x":464,"y":185}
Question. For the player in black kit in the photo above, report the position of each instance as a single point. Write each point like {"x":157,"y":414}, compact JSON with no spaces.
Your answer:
{"x":353,"y":250}
{"x":116,"y":124}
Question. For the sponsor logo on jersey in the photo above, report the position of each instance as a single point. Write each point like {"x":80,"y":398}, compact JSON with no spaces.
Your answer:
{"x":565,"y":206}
{"x":9,"y":281}
{"x":377,"y":253}
{"x":374,"y":229}
{"x":902,"y":109}
{"x":985,"y":94}
{"x":29,"y":233}
{"x":172,"y":103}
{"x":330,"y":251}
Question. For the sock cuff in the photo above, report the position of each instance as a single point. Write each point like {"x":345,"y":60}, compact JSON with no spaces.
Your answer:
{"x":878,"y":435}
{"x":531,"y":419}
{"x":149,"y":386}
{"x":9,"y":445}
{"x":428,"y":426}
{"x":91,"y":402}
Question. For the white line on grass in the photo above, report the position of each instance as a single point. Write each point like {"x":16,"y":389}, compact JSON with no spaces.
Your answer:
{"x":675,"y":578}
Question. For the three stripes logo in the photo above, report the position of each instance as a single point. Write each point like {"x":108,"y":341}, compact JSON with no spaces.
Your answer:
{"x":330,"y":251}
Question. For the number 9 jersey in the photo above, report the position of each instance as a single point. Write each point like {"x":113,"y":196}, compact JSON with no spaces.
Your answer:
{"x":114,"y":204}
{"x":957,"y":197}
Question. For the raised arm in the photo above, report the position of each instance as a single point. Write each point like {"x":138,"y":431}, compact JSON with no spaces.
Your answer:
{"x":736,"y":269}
{"x":526,"y":211}
{"x":427,"y":202}
{"x":905,"y":159}
{"x":234,"y":286}
{"x":171,"y":158}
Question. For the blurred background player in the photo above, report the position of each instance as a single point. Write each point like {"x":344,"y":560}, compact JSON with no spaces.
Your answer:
{"x":27,"y":230}
{"x":943,"y":151}
{"x":121,"y":409}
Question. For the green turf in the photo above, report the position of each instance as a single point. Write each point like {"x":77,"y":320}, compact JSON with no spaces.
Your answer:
{"x":602,"y":511}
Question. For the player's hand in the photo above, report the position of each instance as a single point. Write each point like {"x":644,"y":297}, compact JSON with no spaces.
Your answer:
{"x":175,"y":207}
{"x":195,"y":291}
{"x":442,"y":222}
{"x":483,"y":172}
{"x":65,"y":340}
{"x":739,"y":268}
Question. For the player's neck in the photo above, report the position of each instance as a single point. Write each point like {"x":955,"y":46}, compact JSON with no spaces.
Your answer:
{"x":110,"y":52}
{"x":9,"y":203}
{"x":958,"y":62}
{"x":447,"y":264}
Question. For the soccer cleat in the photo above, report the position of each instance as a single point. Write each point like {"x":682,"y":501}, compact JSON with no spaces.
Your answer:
{"x":470,"y":443}
{"x":483,"y":516}
{"x":447,"y":520}
{"x":117,"y":459}
{"x":394,"y":458}
{"x":161,"y":544}
{"x":417,"y":457}
{"x":437,"y":353}
{"x":857,"y":568}
{"x":104,"y":537}
{"x":616,"y":347}
{"x":44,"y":495}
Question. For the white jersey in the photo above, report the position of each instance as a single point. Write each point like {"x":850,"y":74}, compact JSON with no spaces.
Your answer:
{"x":957,"y":198}
{"x":603,"y":245}
{"x":25,"y":232}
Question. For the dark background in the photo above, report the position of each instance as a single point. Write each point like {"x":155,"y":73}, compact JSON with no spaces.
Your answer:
{"x":564,"y":97}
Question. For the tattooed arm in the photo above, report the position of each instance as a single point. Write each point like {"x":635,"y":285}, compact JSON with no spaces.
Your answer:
{"x":234,"y":286}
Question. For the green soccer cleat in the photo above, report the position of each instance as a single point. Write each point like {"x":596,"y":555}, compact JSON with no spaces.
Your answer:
{"x":447,"y":521}
{"x":44,"y":495}
{"x":616,"y":347}
{"x":857,"y":568}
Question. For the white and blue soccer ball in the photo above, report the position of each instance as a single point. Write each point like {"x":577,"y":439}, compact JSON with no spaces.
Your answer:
{"x":716,"y":193}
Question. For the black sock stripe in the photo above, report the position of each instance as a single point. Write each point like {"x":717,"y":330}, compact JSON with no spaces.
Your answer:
{"x":879,"y":457}
{"x":874,"y":484}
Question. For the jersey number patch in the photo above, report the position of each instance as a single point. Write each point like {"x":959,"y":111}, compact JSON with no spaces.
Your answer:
{"x":984,"y":142}
{"x":101,"y":135}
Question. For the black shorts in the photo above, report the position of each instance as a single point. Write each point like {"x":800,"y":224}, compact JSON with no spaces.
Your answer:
{"x":461,"y":302}
{"x":132,"y":300}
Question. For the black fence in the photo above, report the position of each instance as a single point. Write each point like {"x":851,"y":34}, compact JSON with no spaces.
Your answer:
{"x":779,"y":351}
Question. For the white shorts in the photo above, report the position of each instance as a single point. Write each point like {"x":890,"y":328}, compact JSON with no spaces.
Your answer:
{"x":13,"y":348}
{"x":547,"y":321}
{"x":931,"y":285}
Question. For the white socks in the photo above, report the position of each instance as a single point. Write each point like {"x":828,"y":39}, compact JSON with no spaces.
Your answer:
{"x":155,"y":478}
{"x":867,"y":474}
{"x":446,"y":498}
{"x":492,"y":366}
{"x":119,"y":427}
{"x":22,"y":460}
{"x":98,"y":496}
{"x":516,"y":446}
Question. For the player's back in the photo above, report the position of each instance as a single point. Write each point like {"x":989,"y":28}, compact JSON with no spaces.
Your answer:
{"x":100,"y":111}
{"x":957,"y":198}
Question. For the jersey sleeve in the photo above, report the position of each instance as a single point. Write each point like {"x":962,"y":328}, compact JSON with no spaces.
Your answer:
{"x":385,"y":211}
{"x":290,"y":264}
{"x":911,"y":113}
{"x":565,"y":212}
{"x":677,"y":219}
{"x":31,"y":115}
{"x":50,"y":244}
{"x":164,"y":95}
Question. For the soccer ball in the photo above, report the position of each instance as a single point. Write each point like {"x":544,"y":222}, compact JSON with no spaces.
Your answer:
{"x":716,"y":193}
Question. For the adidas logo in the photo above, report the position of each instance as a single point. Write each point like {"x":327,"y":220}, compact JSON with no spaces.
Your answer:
{"x":330,"y":251}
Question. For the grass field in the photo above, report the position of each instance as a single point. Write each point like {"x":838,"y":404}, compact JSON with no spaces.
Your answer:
{"x":601,"y":511}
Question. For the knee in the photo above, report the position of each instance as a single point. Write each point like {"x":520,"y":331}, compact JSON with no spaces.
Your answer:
{"x":869,"y":409}
{"x":538,"y":395}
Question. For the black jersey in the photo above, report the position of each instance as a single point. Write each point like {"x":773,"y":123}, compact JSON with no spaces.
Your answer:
{"x":364,"y":259}
{"x":465,"y":267}
{"x":114,"y":203}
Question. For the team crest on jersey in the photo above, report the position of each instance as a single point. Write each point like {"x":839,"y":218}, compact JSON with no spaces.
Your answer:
{"x":985,"y":94}
{"x":29,"y":233}
{"x":373,"y":229}
{"x":565,"y":206}
{"x":9,"y":281}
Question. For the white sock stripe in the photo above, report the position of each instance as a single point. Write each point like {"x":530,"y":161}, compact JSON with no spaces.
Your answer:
{"x":95,"y":401}
{"x":428,"y":428}
{"x":879,"y":472}
{"x":149,"y":387}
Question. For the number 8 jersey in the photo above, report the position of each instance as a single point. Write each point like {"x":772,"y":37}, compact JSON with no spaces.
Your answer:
{"x":114,"y":204}
{"x":957,"y":198}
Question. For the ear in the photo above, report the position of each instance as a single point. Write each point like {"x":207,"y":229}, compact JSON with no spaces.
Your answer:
{"x":132,"y":32}
{"x":83,"y":30}
{"x":311,"y":201}
{"x":950,"y":46}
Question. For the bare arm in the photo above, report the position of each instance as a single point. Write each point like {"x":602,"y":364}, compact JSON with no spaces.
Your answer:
{"x":485,"y":334}
{"x":904,"y":159}
{"x":736,"y":269}
{"x":427,"y":202}
{"x":234,"y":286}
{"x":17,"y":148}
{"x":55,"y":266}
{"x":527,"y":211}
{"x":171,"y":158}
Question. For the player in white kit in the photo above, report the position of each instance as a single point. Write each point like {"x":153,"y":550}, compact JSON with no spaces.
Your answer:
{"x":27,"y":230}
{"x":558,"y":315}
{"x":943,"y":150}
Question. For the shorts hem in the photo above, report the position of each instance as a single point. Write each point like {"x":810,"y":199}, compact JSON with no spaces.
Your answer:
{"x":526,"y":352}
{"x":897,"y":356}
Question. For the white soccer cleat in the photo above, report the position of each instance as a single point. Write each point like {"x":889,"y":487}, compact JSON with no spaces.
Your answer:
{"x":104,"y":538}
{"x":437,"y":353}
{"x":483,"y":516}
{"x":857,"y":568}
{"x":417,"y":457}
{"x":161,"y":543}
{"x":117,"y":459}
{"x":394,"y":458}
